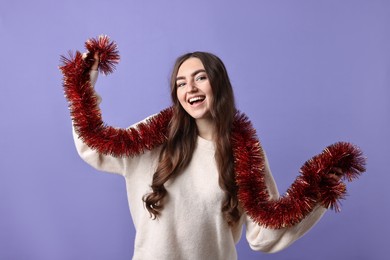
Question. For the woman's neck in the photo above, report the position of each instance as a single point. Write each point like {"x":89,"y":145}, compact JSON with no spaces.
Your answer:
{"x":206,"y":128}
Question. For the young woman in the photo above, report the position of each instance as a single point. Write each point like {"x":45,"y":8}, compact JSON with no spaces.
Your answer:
{"x":195,"y":173}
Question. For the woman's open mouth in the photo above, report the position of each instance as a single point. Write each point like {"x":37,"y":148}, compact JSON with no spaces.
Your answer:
{"x":196,"y":100}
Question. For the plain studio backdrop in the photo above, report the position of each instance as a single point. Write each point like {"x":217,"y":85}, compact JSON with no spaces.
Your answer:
{"x":307,"y":73}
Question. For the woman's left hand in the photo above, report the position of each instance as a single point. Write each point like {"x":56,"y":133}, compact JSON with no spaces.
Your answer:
{"x":336,"y":173}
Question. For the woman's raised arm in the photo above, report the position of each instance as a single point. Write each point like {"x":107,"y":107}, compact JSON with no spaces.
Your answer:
{"x":86,"y":115}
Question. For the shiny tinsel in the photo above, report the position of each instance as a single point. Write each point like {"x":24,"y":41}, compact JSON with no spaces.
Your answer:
{"x":314,"y":186}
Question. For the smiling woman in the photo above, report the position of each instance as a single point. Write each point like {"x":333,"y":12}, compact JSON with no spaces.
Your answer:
{"x":194,"y":91}
{"x":196,"y":173}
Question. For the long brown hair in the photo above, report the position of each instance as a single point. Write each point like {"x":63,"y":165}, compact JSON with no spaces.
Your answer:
{"x":177,"y":152}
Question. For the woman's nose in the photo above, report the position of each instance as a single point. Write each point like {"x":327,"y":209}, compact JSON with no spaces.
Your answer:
{"x":192,"y":86}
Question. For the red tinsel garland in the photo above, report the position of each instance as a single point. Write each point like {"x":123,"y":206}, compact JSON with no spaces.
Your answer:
{"x":314,"y":186}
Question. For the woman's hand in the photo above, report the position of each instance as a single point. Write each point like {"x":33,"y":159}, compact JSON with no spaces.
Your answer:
{"x":95,"y":64}
{"x":96,"y":60}
{"x":336,"y":173}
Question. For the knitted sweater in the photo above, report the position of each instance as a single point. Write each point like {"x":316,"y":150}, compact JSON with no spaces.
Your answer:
{"x":191,"y":225}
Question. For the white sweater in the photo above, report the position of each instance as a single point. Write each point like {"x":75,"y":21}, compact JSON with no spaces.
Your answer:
{"x":191,"y":225}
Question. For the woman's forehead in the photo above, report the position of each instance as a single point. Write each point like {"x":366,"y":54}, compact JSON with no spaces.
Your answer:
{"x":189,"y":66}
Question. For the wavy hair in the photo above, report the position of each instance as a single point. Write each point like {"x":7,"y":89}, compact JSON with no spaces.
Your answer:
{"x":177,"y":152}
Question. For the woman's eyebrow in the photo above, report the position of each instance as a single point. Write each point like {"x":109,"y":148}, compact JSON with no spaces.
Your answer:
{"x":193,"y":74}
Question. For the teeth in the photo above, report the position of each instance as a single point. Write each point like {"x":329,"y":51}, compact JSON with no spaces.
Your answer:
{"x":192,"y":100}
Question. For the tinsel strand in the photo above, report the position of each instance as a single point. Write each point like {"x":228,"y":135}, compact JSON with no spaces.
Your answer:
{"x":313,"y":186}
{"x":85,"y":112}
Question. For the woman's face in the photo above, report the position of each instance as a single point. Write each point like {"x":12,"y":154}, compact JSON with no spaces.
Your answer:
{"x":193,"y":89}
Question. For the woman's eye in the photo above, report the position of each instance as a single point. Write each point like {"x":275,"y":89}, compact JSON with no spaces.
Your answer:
{"x":202,"y":77}
{"x":181,"y":84}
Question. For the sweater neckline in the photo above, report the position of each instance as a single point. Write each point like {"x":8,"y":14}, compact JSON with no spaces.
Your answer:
{"x":205,"y":144}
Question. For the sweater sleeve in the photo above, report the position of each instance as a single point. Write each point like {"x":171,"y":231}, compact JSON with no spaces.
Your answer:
{"x":273,"y":240}
{"x":106,"y":163}
{"x":101,"y":162}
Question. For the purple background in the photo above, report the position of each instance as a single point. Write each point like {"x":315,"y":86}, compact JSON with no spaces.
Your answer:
{"x":308,"y":74}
